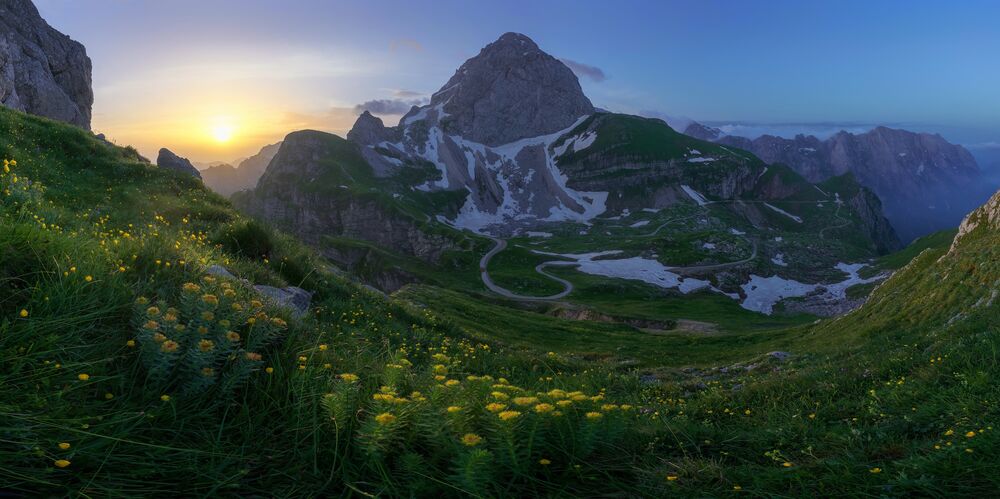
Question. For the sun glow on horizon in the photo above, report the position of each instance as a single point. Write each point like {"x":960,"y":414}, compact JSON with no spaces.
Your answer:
{"x":223,"y":132}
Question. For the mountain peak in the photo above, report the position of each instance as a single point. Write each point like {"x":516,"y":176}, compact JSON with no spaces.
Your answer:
{"x":509,"y":91}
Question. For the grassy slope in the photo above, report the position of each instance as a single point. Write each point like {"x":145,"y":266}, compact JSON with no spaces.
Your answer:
{"x":896,"y":399}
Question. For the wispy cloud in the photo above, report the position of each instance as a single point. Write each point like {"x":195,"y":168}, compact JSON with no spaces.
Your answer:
{"x":401,"y":93}
{"x":388,"y":106}
{"x":405,"y":44}
{"x":585,"y":70}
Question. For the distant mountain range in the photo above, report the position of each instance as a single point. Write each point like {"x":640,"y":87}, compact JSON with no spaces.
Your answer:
{"x":227,"y":179}
{"x":924,"y":182}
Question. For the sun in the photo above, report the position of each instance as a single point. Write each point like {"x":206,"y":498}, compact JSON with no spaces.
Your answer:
{"x":223,"y":133}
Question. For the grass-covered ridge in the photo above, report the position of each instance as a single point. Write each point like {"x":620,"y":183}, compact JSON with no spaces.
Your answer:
{"x":374,"y":396}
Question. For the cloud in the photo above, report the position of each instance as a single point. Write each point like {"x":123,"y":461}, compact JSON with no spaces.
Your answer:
{"x":401,"y":93}
{"x":405,"y":44}
{"x":985,"y":145}
{"x":585,"y":70}
{"x":388,"y":106}
{"x":679,"y":123}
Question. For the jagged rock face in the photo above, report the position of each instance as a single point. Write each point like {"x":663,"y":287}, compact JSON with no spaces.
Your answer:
{"x":169,"y":160}
{"x":867,"y":206}
{"x":510,"y":91}
{"x":289,"y":194}
{"x":924,"y":182}
{"x":42,"y":71}
{"x":226,"y":179}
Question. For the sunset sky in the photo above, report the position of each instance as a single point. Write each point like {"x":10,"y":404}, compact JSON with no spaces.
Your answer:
{"x":216,"y":80}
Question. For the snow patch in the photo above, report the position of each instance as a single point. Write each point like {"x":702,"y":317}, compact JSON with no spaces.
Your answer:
{"x":700,"y":160}
{"x":762,"y":293}
{"x":779,"y":259}
{"x":693,"y":194}
{"x":532,"y":233}
{"x":640,"y":223}
{"x":783,"y":212}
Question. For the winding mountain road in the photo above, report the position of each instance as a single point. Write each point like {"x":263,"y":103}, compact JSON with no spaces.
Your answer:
{"x":499,"y":246}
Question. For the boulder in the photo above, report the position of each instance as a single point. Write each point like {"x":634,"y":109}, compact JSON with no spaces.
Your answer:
{"x":169,"y":160}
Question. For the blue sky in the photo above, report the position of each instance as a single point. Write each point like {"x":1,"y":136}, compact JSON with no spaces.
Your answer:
{"x":160,"y":66}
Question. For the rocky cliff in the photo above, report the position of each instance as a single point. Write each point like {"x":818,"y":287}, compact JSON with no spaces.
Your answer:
{"x":319,"y":185}
{"x":42,"y":71}
{"x":924,"y":182}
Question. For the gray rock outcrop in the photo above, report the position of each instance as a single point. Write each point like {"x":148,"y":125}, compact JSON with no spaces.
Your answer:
{"x":169,"y":160}
{"x":295,"y":299}
{"x":42,"y":71}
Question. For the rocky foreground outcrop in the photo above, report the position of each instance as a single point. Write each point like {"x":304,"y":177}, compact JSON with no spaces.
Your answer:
{"x":167,"y":159}
{"x":42,"y":71}
{"x":986,"y":217}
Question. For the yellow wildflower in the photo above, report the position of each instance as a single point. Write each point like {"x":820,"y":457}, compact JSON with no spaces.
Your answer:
{"x":508,"y":415}
{"x":233,"y":336}
{"x":525,"y":400}
{"x":594,"y":415}
{"x":64,"y":445}
{"x":451,"y":382}
{"x":544,"y":462}
{"x":61,"y":463}
{"x":24,"y":313}
{"x":206,"y":345}
{"x":471,"y":439}
{"x":165,"y":398}
{"x":348,"y":377}
{"x":385,"y":418}
{"x":495,"y":407}
{"x":453,"y":409}
{"x":83,"y":376}
{"x":130,"y":343}
{"x":544,"y":408}
{"x":169,"y":346}
{"x":875,"y":470}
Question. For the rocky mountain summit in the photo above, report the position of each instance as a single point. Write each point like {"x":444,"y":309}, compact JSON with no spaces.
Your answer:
{"x":167,"y":159}
{"x":925,"y":182}
{"x":42,"y":71}
{"x":511,"y":90}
